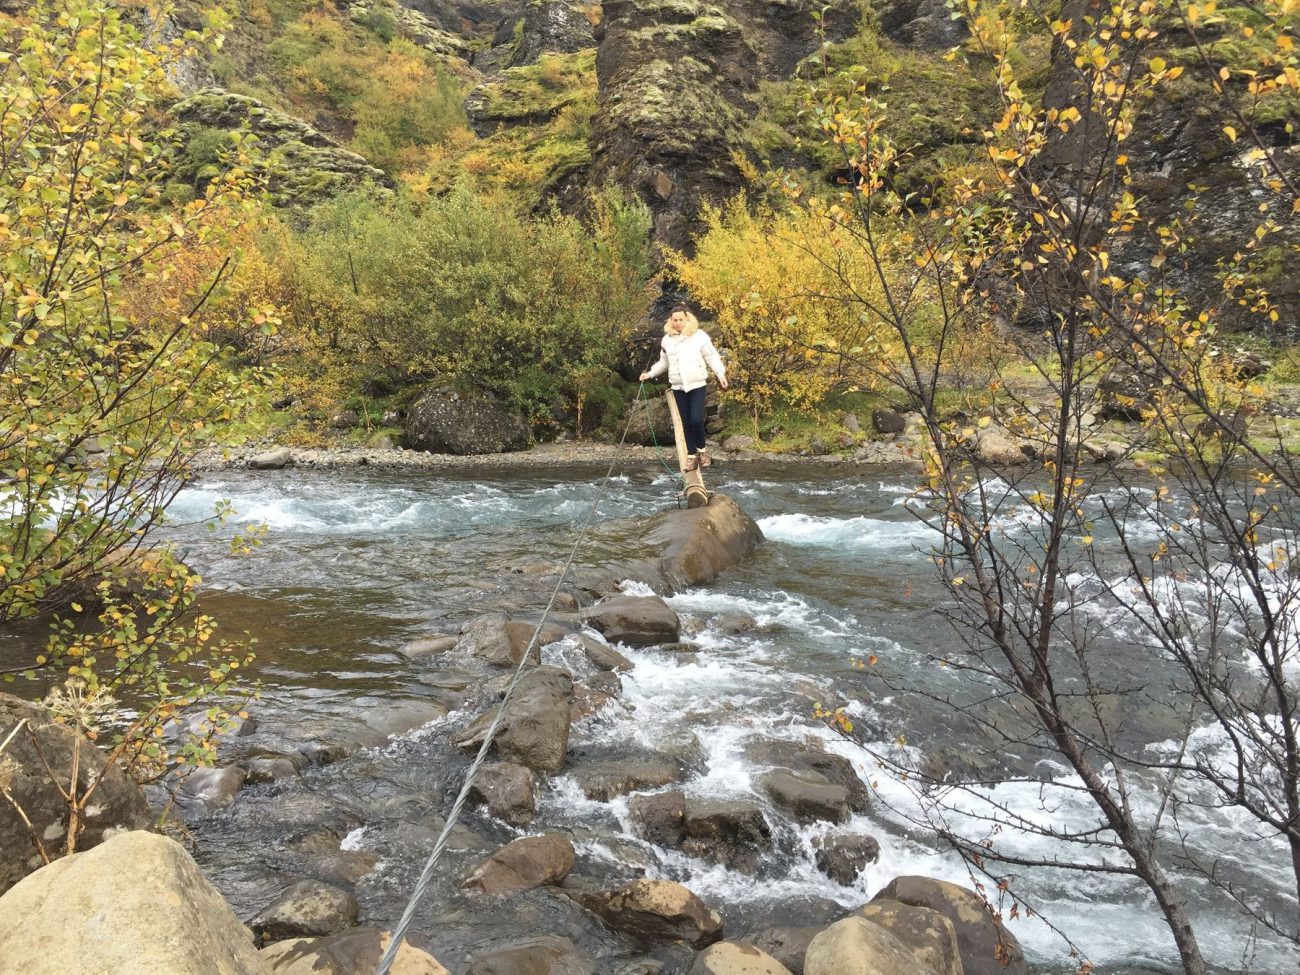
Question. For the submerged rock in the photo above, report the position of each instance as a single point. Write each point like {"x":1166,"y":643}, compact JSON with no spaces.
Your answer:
{"x":843,"y":856}
{"x":309,"y":908}
{"x":731,"y":832}
{"x":534,"y":861}
{"x":605,"y":779}
{"x":543,"y":955}
{"x":117,"y":803}
{"x":508,"y":790}
{"x":152,"y":911}
{"x":655,"y":910}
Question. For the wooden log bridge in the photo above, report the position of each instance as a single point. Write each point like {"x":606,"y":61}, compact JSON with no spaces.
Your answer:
{"x":697,"y":495}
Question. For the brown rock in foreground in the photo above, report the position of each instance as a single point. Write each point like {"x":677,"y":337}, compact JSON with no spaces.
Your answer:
{"x":986,"y":946}
{"x":534,"y":861}
{"x":351,"y":952}
{"x":655,"y":910}
{"x":116,"y":804}
{"x":140,"y":904}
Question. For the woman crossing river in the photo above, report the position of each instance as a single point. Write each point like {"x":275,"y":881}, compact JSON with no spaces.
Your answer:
{"x":687,"y":354}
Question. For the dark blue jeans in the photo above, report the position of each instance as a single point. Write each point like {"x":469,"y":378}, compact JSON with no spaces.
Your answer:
{"x":690,"y":404}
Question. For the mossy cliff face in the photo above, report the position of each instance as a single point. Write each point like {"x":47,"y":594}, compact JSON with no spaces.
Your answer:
{"x":302,"y":166}
{"x":677,"y":86}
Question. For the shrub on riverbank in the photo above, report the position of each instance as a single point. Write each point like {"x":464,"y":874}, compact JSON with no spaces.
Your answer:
{"x":458,"y":291}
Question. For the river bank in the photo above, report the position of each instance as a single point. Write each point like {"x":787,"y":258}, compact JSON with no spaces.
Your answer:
{"x":567,"y":454}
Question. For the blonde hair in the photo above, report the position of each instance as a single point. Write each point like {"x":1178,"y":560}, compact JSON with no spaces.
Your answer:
{"x":692,"y":323}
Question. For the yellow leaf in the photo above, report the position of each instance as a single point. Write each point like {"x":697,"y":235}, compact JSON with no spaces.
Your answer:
{"x":77,"y":109}
{"x":1230,"y":132}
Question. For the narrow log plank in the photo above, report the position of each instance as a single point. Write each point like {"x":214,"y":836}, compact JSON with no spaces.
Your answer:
{"x":697,"y":495}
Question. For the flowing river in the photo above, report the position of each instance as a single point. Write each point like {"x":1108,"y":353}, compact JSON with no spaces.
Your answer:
{"x":359,"y":562}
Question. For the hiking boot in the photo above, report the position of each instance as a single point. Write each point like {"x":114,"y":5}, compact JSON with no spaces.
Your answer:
{"x":690,"y":464}
{"x":705,"y":461}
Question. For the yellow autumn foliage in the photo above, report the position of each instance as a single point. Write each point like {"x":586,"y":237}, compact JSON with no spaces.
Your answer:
{"x":775,"y":281}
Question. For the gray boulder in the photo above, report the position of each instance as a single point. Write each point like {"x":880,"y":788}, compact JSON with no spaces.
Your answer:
{"x":605,"y":779}
{"x":143,"y":906}
{"x":987,"y":947}
{"x":638,"y":621}
{"x":445,"y":422}
{"x":887,"y":421}
{"x":116,"y":804}
{"x":602,"y":655}
{"x":271,"y":460}
{"x":534,"y":861}
{"x":356,"y":951}
{"x":310,"y":908}
{"x":659,"y":818}
{"x":806,"y":795}
{"x":535,"y":729}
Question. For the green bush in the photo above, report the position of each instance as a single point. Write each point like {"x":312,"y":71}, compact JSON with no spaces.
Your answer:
{"x":472,"y":294}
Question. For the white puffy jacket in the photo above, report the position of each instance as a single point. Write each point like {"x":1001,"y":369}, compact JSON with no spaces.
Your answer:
{"x":687,"y":360}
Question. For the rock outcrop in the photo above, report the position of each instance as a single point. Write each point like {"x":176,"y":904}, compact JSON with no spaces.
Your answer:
{"x":141,"y":905}
{"x":302,"y":165}
{"x":116,"y":804}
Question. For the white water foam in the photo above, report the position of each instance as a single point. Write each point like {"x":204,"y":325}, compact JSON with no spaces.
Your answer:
{"x":860,"y":534}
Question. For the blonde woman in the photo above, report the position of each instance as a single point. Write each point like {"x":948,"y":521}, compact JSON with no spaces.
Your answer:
{"x":687,"y":354}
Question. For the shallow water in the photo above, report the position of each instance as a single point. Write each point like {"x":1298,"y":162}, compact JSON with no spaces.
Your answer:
{"x":356,"y":563}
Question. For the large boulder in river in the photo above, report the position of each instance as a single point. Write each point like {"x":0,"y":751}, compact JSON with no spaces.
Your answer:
{"x":535,"y":728}
{"x":855,"y":946}
{"x":116,"y":804}
{"x":655,"y":910}
{"x":356,"y":951}
{"x":638,"y":621}
{"x":135,"y":903}
{"x":701,"y":543}
{"x":533,"y":861}
{"x":446,"y":422}
{"x":987,"y":947}
{"x":677,"y":549}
